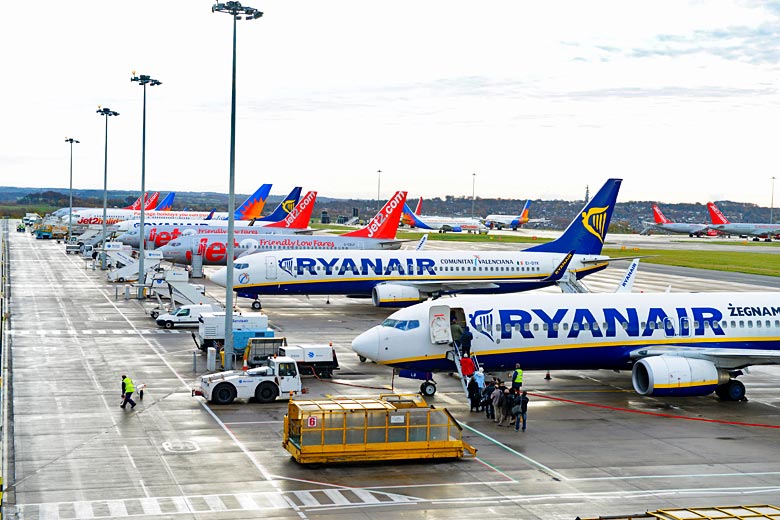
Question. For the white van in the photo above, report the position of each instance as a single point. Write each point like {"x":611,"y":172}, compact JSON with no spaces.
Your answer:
{"x":186,"y":315}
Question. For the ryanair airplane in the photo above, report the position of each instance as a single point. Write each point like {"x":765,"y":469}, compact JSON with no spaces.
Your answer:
{"x":401,"y":278}
{"x":675,"y":344}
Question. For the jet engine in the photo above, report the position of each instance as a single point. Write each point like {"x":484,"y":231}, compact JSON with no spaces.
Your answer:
{"x":395,"y":295}
{"x":676,"y":376}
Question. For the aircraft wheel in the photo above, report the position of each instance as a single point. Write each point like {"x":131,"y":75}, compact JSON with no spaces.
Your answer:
{"x":732,"y":391}
{"x":428,"y":388}
{"x":224,"y":393}
{"x":266,"y":392}
{"x":362,"y":358}
{"x":168,"y":324}
{"x":120,"y":280}
{"x":256,"y":305}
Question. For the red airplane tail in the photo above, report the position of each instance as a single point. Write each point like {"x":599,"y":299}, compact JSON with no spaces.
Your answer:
{"x":300,"y":215}
{"x":385,"y":223}
{"x":418,"y":209}
{"x":151,"y":202}
{"x":658,"y":216}
{"x":715,"y":214}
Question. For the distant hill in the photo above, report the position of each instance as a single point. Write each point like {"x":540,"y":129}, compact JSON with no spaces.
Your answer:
{"x":628,"y":216}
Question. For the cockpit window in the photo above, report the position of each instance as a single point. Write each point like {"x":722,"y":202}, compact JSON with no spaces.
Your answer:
{"x":401,"y":324}
{"x":241,"y":266}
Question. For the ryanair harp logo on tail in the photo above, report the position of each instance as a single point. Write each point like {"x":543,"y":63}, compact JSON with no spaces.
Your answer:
{"x":594,"y":221}
{"x":288,"y":205}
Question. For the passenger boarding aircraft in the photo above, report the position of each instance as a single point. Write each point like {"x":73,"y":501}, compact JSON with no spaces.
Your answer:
{"x":403,"y":278}
{"x":442,"y":224}
{"x":378,"y":233}
{"x":664,"y":224}
{"x":722,"y":224}
{"x":248,"y":209}
{"x":675,"y":344}
{"x":159,"y":233}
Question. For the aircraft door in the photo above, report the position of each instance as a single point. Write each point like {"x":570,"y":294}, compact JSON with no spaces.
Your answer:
{"x":270,"y":268}
{"x":439,"y":323}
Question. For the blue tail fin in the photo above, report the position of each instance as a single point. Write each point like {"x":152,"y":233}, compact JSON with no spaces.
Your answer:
{"x":253,"y":206}
{"x":585,"y":235}
{"x":167,"y":202}
{"x":409,"y":218}
{"x":284,"y":207}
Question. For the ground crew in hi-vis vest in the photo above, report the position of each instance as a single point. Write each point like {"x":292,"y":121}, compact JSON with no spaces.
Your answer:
{"x":517,"y":377}
{"x":127,"y":391}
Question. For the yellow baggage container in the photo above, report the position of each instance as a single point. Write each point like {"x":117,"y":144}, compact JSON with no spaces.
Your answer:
{"x":391,"y":427}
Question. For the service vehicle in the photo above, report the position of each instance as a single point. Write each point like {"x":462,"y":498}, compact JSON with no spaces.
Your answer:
{"x":211,"y":329}
{"x":392,"y":427}
{"x":186,"y":315}
{"x":319,"y":359}
{"x":279,"y":376}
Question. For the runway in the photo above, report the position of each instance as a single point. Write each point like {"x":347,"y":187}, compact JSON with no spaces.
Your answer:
{"x":593,"y":447}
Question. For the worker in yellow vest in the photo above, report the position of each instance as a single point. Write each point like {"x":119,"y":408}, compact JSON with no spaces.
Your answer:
{"x":517,"y":377}
{"x":127,"y":391}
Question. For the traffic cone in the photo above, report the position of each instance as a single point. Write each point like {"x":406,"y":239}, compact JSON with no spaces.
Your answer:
{"x":245,"y":367}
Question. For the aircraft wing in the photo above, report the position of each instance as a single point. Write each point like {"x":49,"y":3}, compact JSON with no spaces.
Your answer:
{"x":727,"y":358}
{"x":464,"y":285}
{"x":450,"y":285}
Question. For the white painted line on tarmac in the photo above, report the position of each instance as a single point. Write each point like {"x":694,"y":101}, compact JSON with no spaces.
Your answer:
{"x":691,"y":475}
{"x":132,"y":462}
{"x":528,"y":459}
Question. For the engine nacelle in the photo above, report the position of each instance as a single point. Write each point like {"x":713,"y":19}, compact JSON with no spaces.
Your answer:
{"x":395,"y":295}
{"x":676,"y":376}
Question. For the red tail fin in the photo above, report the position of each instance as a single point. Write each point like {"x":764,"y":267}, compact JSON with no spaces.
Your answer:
{"x":151,"y":202}
{"x":418,"y":209}
{"x":385,"y":223}
{"x":715,"y":215}
{"x":300,"y":215}
{"x":135,"y":205}
{"x":658,"y":216}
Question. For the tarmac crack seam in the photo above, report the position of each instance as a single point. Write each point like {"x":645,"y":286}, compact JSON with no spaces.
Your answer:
{"x":541,"y":467}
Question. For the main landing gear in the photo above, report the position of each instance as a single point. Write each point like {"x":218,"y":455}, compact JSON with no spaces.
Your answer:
{"x":256,"y":305}
{"x":732,"y":391}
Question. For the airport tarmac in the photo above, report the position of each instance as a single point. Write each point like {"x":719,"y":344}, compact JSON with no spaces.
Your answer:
{"x":593,"y":447}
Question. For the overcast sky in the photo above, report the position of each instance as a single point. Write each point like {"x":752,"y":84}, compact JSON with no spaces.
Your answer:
{"x":537,"y":98}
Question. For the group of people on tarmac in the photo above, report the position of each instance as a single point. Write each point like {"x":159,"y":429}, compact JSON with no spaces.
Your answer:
{"x":510,"y":402}
{"x":499,"y":401}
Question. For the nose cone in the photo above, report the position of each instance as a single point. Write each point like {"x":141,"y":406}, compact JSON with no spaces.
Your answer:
{"x":367,"y":344}
{"x":220,"y":277}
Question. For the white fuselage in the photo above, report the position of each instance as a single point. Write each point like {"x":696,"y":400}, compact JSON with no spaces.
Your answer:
{"x":582,"y":331}
{"x":213,"y":249}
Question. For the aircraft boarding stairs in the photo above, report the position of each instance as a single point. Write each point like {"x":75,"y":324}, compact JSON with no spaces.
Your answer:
{"x":457,"y":359}
{"x":569,"y":284}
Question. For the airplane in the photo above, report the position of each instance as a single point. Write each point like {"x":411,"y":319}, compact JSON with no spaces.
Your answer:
{"x":675,"y":344}
{"x":378,"y":233}
{"x":400,"y":278}
{"x":113,"y":215}
{"x":513,"y":221}
{"x":441,"y":224}
{"x":757,"y":231}
{"x":62,"y":213}
{"x":159,"y":233}
{"x":664,"y":224}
